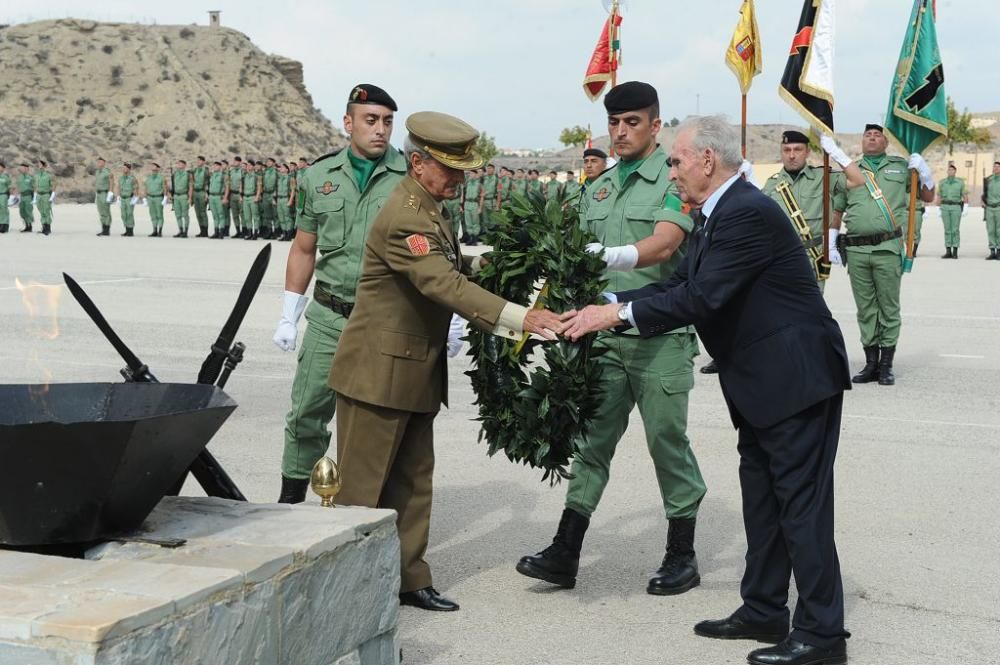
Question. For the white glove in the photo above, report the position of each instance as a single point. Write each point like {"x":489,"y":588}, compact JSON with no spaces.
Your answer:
{"x":622,"y":258}
{"x":918,"y":164}
{"x":836,"y":153}
{"x":110,"y":198}
{"x":34,"y":199}
{"x":835,"y":258}
{"x":52,"y":197}
{"x":12,"y":200}
{"x":135,"y":200}
{"x":291,"y":311}
{"x":746,"y":170}
{"x":144,"y":201}
{"x":455,"y":332}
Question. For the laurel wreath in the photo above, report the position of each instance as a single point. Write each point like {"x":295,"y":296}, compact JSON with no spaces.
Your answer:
{"x":535,"y":415}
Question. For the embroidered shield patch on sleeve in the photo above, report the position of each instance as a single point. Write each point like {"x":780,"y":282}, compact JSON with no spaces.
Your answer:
{"x":419,"y":245}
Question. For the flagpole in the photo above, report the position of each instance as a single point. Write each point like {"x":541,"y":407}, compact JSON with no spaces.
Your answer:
{"x":911,"y":227}
{"x":743,"y":127}
{"x":826,"y":207}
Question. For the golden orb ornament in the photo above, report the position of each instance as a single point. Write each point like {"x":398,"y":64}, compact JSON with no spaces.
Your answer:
{"x":325,"y":480}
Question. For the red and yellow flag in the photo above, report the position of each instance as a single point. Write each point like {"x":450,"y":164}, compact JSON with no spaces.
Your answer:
{"x":604,"y":61}
{"x":743,"y":55}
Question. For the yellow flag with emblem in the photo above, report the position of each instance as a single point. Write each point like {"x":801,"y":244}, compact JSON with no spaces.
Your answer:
{"x":743,"y":55}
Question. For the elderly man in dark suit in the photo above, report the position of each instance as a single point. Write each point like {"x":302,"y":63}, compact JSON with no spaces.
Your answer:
{"x":747,"y":286}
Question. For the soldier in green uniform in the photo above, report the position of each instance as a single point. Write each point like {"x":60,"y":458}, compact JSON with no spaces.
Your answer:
{"x":472,"y":208}
{"x":953,"y":196}
{"x":26,"y":193}
{"x":199,"y":181}
{"x":44,"y":193}
{"x":802,"y":185}
{"x":519,"y":184}
{"x":876,"y":217}
{"x":991,"y":201}
{"x":488,"y":197}
{"x":284,"y":196}
{"x":227,"y":215}
{"x":293,"y":204}
{"x":534,"y":183}
{"x":126,"y":188}
{"x":503,"y":186}
{"x":251,"y":201}
{"x":102,"y":186}
{"x":268,"y":213}
{"x":236,"y":196}
{"x":181,"y":191}
{"x":635,"y":212}
{"x":153,"y":191}
{"x":216,"y":193}
{"x":5,"y":196}
{"x":553,"y":188}
{"x":453,"y":207}
{"x":343,"y":192}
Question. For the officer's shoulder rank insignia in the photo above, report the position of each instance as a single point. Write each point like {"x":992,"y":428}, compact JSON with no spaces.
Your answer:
{"x":327,"y":188}
{"x":419,"y":245}
{"x":601,"y":194}
{"x":412,"y":203}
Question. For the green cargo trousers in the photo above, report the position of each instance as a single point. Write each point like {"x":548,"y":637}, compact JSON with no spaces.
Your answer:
{"x":472,"y":217}
{"x":26,"y":209}
{"x":44,"y":209}
{"x":656,"y":375}
{"x":284,"y":216}
{"x":993,"y":227}
{"x":267,"y":211}
{"x":200,"y":213}
{"x":236,"y":211}
{"x":103,"y":208}
{"x":951,"y":217}
{"x":876,"y":278}
{"x":155,"y":203}
{"x":313,"y":402}
{"x":218,"y":212}
{"x":251,"y":214}
{"x":128,"y":212}
{"x":181,"y":212}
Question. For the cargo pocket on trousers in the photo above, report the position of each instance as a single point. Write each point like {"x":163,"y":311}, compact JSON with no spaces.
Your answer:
{"x":674,"y":384}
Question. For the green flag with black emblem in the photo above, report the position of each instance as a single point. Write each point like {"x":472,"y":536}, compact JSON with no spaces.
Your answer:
{"x":918,"y":114}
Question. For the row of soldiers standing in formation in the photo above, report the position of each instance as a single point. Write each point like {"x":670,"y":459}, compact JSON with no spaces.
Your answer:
{"x":27,"y":191}
{"x":258,"y":199}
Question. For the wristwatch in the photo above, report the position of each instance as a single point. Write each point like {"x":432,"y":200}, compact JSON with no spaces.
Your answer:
{"x":623,"y":313}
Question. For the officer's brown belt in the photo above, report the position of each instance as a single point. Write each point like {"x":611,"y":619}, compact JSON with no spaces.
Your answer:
{"x":333,"y":302}
{"x":874,"y":239}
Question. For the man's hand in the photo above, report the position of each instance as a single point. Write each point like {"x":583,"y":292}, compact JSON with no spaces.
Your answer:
{"x":591,"y":319}
{"x":623,"y":258}
{"x":836,"y":153}
{"x":293,"y":305}
{"x":545,"y":323}
{"x":918,"y":164}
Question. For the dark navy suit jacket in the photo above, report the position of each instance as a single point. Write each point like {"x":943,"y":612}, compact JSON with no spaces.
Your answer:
{"x":748,"y":288}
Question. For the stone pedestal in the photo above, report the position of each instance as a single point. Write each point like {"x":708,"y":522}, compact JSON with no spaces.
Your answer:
{"x":267,"y":584}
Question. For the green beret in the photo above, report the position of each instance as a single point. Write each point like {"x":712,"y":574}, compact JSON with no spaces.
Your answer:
{"x":630,"y":96}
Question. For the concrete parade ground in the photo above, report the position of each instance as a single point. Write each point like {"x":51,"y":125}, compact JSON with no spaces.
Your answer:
{"x":917,"y":474}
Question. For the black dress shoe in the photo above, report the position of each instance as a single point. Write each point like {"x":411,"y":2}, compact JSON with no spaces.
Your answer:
{"x":710,"y":368}
{"x":735,"y":628}
{"x":427,"y":599}
{"x":792,"y":652}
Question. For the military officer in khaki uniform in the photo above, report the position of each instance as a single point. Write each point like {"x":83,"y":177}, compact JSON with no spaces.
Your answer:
{"x":800,"y":186}
{"x":876,"y":217}
{"x":342,"y":192}
{"x":390,"y":373}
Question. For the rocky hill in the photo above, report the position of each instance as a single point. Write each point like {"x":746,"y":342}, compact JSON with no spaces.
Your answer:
{"x":75,"y":89}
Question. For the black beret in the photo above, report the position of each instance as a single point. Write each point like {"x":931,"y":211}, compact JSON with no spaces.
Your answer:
{"x":595,"y":152}
{"x":42,"y":162}
{"x":996,"y":163}
{"x":630,"y":96}
{"x":794,"y":136}
{"x":25,"y":164}
{"x":155,"y":164}
{"x":366,"y":93}
{"x":181,"y":161}
{"x":872,"y":125}
{"x":216,"y":163}
{"x":2,"y":165}
{"x":201,"y":158}
{"x":237,"y":158}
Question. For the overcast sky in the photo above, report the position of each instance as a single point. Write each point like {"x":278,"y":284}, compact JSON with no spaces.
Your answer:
{"x":514,"y":68}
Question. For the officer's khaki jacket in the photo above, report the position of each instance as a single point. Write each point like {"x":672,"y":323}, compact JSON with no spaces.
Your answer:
{"x":392,"y":351}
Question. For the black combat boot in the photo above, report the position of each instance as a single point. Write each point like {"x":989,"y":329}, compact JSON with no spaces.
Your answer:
{"x":293,"y":490}
{"x":885,"y":375}
{"x":679,"y":571}
{"x":105,"y":231}
{"x":46,"y":229}
{"x":558,"y":563}
{"x":991,"y":257}
{"x":954,"y":252}
{"x":3,"y":228}
{"x":947,"y":253}
{"x":179,"y":234}
{"x":26,"y":229}
{"x":128,"y":233}
{"x":869,"y":372}
{"x":203,"y":233}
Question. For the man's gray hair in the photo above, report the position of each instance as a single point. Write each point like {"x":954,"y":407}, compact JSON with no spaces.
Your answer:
{"x":409,"y":148}
{"x":713,"y":132}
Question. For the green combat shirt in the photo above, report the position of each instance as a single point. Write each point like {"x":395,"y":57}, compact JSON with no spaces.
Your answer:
{"x":862,"y":215}
{"x":4,"y":186}
{"x":552,"y":190}
{"x":216,"y":183}
{"x":25,"y":184}
{"x":993,"y":191}
{"x":249,"y":183}
{"x":535,"y":186}
{"x":43,"y":182}
{"x":282,"y":185}
{"x":102,"y":179}
{"x":340,"y":215}
{"x":126,"y":186}
{"x":180,"y":183}
{"x":519,"y":186}
{"x":490,"y":187}
{"x":270,"y":179}
{"x":154,"y":184}
{"x":505,"y":188}
{"x":623,"y":214}
{"x":235,"y":180}
{"x":807,"y":188}
{"x":199,"y":173}
{"x":952,"y":191}
{"x":472,"y":190}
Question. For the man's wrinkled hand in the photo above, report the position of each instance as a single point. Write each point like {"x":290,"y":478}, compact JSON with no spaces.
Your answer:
{"x":591,"y":319}
{"x":545,"y":323}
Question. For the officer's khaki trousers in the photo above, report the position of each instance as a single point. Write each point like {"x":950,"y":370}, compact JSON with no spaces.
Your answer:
{"x":386,"y":460}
